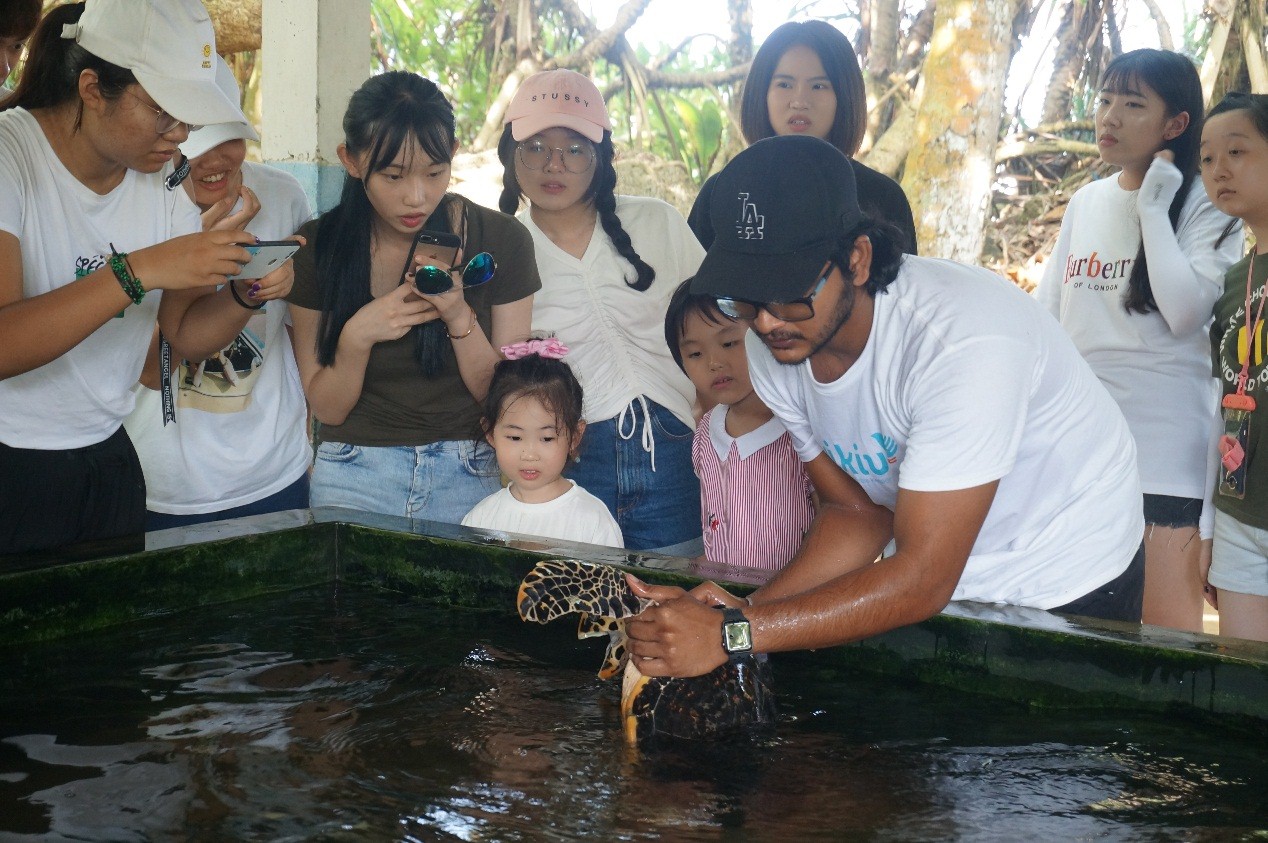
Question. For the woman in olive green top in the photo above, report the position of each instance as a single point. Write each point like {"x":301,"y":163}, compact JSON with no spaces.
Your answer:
{"x":394,"y":378}
{"x":1234,"y":156}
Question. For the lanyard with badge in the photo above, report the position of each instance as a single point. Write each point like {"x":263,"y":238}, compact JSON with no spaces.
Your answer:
{"x":1238,"y":406}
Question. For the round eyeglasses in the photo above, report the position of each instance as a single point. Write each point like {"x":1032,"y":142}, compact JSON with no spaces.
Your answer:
{"x":797,"y":310}
{"x":434,"y":280}
{"x":576,"y":157}
{"x":163,"y":122}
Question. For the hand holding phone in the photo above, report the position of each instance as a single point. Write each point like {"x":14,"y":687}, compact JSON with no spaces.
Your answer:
{"x":266,"y":256}
{"x":435,"y":248}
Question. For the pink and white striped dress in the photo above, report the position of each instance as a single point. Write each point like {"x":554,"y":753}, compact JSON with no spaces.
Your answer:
{"x":755,"y":498}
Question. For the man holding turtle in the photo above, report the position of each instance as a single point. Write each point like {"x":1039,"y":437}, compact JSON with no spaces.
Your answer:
{"x":939,"y":410}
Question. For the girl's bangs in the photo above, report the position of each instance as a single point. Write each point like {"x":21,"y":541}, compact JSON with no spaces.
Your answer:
{"x":411,"y":134}
{"x":1125,"y":80}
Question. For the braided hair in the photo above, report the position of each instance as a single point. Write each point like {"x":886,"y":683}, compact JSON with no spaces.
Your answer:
{"x":601,"y":193}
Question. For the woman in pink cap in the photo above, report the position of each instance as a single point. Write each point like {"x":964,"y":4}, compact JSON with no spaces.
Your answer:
{"x":88,"y":227}
{"x":609,"y":265}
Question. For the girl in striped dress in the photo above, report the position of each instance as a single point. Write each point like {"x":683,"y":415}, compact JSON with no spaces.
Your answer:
{"x":756,"y":502}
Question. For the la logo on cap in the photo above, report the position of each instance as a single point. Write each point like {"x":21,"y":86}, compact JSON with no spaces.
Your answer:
{"x":751,"y":224}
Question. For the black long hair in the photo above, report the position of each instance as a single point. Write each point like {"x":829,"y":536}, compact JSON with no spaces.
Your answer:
{"x":53,"y":65}
{"x":1255,"y":106}
{"x":840,"y":63}
{"x":602,"y":193}
{"x":1173,"y":78}
{"x":21,"y":18}
{"x":387,"y":113}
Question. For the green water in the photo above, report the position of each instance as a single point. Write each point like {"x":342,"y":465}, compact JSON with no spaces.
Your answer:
{"x":338,"y":714}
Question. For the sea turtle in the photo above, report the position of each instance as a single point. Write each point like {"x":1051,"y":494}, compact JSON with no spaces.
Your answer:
{"x":736,"y":696}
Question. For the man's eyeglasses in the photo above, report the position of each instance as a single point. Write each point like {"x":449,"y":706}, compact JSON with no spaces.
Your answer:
{"x":433,"y":280}
{"x":163,"y":122}
{"x":576,"y":158}
{"x":797,"y":310}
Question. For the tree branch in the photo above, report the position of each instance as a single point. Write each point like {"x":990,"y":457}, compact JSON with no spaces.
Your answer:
{"x":1160,"y":19}
{"x":704,"y":79}
{"x":601,"y":43}
{"x":1048,"y":146}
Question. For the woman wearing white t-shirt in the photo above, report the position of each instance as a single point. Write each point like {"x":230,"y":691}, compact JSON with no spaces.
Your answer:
{"x":87,"y":227}
{"x":238,"y":444}
{"x":609,"y":266}
{"x":1135,"y":273}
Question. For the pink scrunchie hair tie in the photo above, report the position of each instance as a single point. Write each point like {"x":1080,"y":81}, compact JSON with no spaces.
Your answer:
{"x":550,"y":348}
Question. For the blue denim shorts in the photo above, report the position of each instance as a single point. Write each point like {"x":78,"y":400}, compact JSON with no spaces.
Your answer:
{"x":437,"y":482}
{"x":1170,"y":511}
{"x":656,"y":510}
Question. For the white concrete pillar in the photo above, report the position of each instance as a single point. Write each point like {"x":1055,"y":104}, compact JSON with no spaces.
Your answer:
{"x":316,"y":53}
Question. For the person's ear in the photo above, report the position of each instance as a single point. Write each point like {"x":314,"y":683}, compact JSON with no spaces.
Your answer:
{"x":349,"y":161}
{"x":861,"y":261}
{"x":488,"y":431}
{"x":1175,"y":126}
{"x":90,"y":91}
{"x":575,"y":445}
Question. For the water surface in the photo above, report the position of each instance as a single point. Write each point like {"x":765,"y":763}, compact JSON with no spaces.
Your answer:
{"x":349,"y":714}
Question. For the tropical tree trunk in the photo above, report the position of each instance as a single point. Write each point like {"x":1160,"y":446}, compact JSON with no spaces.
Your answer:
{"x":949,"y":172}
{"x":237,"y":24}
{"x":881,"y":59}
{"x":1220,"y":14}
{"x":1080,"y":27}
{"x":1251,"y":29}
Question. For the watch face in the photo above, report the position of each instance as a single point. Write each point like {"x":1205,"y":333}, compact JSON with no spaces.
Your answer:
{"x":739,"y":637}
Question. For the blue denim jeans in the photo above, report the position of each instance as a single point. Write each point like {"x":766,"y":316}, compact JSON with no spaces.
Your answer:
{"x":294,"y":496}
{"x":656,"y":510}
{"x":437,"y":482}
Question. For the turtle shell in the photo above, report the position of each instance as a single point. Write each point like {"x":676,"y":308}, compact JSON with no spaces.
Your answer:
{"x":735,"y":697}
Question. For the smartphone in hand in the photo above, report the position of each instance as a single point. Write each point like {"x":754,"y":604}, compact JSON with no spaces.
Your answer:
{"x":266,"y":256}
{"x":437,"y":248}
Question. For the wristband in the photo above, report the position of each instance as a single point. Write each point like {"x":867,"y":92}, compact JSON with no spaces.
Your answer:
{"x":123,"y":274}
{"x":242,"y":301}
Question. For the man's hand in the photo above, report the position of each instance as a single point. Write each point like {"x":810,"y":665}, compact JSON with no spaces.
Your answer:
{"x":679,"y":636}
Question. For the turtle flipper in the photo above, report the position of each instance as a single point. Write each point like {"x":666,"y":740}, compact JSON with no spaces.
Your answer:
{"x":556,"y":587}
{"x":593,"y":626}
{"x":617,"y":653}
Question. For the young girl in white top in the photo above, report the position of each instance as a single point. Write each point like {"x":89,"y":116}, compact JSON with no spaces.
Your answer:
{"x":532,"y":418}
{"x":1136,"y":270}
{"x":91,"y":237}
{"x":608,"y":266}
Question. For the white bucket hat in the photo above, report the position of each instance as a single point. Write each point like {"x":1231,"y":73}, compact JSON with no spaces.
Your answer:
{"x":209,"y":137}
{"x":169,"y":45}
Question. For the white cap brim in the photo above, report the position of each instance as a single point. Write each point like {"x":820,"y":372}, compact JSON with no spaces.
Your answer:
{"x":197,"y":102}
{"x":209,"y":137}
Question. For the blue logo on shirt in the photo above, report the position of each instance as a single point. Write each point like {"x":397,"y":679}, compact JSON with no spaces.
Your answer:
{"x":859,"y":463}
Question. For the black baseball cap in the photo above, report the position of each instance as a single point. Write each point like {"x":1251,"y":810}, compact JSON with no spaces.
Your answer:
{"x":779,"y":210}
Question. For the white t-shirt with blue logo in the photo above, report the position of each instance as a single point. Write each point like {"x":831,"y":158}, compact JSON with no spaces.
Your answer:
{"x":965,"y":379}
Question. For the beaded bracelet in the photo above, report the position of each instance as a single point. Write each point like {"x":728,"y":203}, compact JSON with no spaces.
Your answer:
{"x":233,"y":289}
{"x":123,"y":273}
